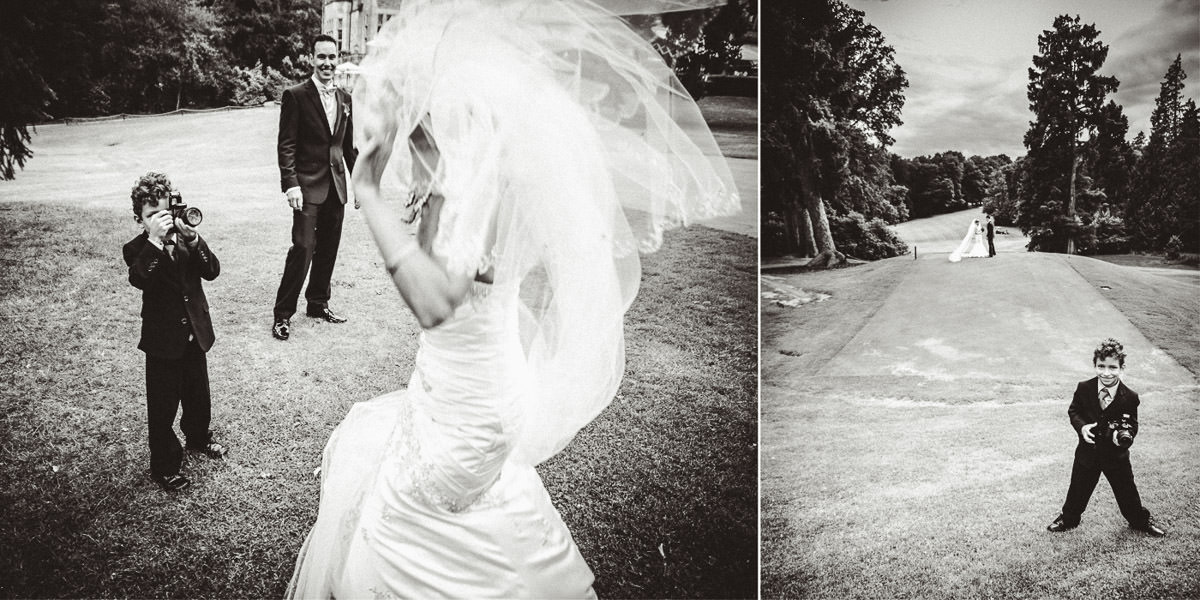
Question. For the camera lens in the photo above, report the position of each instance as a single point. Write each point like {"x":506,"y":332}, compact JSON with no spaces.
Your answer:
{"x":192,"y":216}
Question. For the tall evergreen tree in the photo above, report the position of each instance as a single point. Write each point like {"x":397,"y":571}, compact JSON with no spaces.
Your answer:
{"x":1066,"y":93}
{"x":1165,"y":192}
{"x":1167,"y":118}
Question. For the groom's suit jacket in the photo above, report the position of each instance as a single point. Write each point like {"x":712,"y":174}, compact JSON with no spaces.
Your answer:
{"x":173,"y":301}
{"x":1085,"y":409}
{"x":309,"y":155}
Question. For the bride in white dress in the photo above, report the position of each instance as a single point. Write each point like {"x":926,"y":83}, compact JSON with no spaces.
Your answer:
{"x":542,"y":144}
{"x":973,"y":244}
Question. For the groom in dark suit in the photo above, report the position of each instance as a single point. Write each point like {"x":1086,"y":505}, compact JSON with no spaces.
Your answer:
{"x":316,"y":152}
{"x":991,"y":235}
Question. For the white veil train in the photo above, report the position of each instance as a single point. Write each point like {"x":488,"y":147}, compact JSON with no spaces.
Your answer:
{"x":965,"y":246}
{"x":564,"y":132}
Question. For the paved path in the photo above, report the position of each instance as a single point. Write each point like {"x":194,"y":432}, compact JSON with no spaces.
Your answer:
{"x":915,"y":440}
{"x":1015,"y":318}
{"x":745,"y":175}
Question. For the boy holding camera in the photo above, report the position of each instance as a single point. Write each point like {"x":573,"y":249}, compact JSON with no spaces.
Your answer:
{"x":1104,"y":415}
{"x":167,"y":261}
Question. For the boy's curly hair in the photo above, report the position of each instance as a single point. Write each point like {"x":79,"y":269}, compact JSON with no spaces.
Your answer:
{"x":1109,"y":348}
{"x":150,"y":188}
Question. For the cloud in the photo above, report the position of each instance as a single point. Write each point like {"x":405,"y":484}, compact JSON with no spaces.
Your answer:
{"x":1140,"y":55}
{"x":963,"y":103}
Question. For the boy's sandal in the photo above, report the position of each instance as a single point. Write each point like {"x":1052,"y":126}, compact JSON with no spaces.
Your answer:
{"x":172,"y":483}
{"x":211,"y":450}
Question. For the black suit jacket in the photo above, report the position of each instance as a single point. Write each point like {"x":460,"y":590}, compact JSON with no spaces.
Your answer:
{"x":991,"y":230}
{"x":1085,"y":409}
{"x":309,"y":155}
{"x":173,"y":302}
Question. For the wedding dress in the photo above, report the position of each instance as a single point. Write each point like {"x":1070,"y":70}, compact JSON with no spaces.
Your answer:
{"x":566,"y":148}
{"x":973,"y":244}
{"x":427,"y":502}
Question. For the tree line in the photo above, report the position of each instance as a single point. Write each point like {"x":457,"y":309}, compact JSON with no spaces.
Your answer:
{"x":832,"y":90}
{"x":83,"y":58}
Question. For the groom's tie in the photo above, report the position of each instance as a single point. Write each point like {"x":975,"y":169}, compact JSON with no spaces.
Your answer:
{"x":329,"y":103}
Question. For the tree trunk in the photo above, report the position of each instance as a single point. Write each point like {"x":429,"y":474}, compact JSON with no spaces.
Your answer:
{"x":178,"y":96}
{"x":815,"y":207}
{"x":818,"y":221}
{"x":1075,"y":160}
{"x":808,"y":246}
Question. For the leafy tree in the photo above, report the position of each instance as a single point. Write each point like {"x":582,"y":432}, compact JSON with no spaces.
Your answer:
{"x":1066,"y":93}
{"x":1110,"y":160}
{"x":23,"y":92}
{"x":273,"y":34}
{"x":175,"y":53}
{"x":1003,"y":205}
{"x":831,"y":74}
{"x":45,"y":69}
{"x":699,"y":43}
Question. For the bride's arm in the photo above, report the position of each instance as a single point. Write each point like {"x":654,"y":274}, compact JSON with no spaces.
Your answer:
{"x":429,"y":290}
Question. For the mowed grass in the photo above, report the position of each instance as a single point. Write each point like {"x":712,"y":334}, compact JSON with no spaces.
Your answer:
{"x":660,"y":491}
{"x":899,"y":487}
{"x":734,"y":123}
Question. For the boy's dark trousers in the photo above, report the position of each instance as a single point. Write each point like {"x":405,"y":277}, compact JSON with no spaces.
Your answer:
{"x":1090,"y":462}
{"x":170,"y":383}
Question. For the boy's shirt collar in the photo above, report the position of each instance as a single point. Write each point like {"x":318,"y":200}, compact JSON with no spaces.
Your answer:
{"x":1111,"y":389}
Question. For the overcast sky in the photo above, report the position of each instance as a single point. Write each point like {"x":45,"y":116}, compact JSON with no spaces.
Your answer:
{"x":968,"y":60}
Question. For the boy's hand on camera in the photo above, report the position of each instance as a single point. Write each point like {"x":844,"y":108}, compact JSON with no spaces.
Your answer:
{"x":1086,"y":432}
{"x":187,"y":232}
{"x":159,"y":225}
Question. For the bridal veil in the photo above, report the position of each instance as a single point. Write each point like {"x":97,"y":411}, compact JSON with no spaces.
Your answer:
{"x":567,"y":146}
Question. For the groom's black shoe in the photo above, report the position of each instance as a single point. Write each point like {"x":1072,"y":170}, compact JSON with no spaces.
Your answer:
{"x":282,"y":329}
{"x":1061,"y":524}
{"x":326,"y":314}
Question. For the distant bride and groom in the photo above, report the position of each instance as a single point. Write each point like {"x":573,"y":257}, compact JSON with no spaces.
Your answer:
{"x":520,"y":137}
{"x":973,"y":243}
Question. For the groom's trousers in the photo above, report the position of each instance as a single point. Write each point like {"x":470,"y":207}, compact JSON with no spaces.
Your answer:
{"x":316,"y":234}
{"x":1090,"y":462}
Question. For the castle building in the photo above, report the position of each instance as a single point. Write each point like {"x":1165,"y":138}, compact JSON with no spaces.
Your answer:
{"x":353,"y":23}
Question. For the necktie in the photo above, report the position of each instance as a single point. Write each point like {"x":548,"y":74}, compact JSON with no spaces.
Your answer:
{"x":329,"y":103}
{"x":1105,"y":398}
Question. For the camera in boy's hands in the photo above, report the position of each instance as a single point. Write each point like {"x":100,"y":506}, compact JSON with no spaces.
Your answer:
{"x":1120,"y":426}
{"x":187,"y":214}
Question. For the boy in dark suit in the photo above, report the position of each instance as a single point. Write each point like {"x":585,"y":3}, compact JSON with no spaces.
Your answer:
{"x":1104,"y":399}
{"x":167,"y":262}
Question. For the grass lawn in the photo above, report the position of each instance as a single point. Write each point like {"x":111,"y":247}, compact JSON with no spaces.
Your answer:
{"x":660,"y":491}
{"x":939,"y":482}
{"x":734,"y":123}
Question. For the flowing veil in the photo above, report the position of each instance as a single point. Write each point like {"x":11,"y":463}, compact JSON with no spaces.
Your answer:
{"x":566,"y":147}
{"x":966,"y":242}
